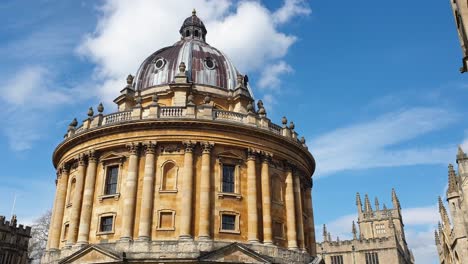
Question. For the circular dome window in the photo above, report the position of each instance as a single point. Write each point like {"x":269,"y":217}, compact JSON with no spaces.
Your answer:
{"x":159,"y":63}
{"x":209,"y":63}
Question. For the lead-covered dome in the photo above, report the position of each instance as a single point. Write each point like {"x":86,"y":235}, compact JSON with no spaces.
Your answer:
{"x":205,"y":64}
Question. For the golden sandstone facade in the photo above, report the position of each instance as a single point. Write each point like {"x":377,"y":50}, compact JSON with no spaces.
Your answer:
{"x":186,"y":171}
{"x":452,"y":237}
{"x":460,"y":13}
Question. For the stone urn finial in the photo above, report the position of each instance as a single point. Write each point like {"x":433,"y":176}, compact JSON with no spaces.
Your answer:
{"x":90,"y":112}
{"x":100,"y":108}
{"x":207,"y":99}
{"x":291,"y":125}
{"x":182,"y":68}
{"x":155,"y":98}
{"x":130,"y":80}
{"x":240,"y":80}
{"x":302,"y":140}
{"x":74,"y":122}
{"x":190,"y":99}
{"x":261,"y":108}
{"x":250,"y":107}
{"x":284,"y":121}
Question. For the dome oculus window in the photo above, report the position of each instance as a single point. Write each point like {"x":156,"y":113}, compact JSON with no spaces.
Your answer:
{"x":209,"y":63}
{"x":159,"y":63}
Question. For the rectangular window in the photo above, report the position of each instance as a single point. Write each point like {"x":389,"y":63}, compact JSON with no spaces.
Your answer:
{"x":372,"y":258}
{"x":228,"y":222}
{"x":111,"y":180}
{"x":228,"y":178}
{"x":106,"y":224}
{"x":337,"y":259}
{"x":166,"y":220}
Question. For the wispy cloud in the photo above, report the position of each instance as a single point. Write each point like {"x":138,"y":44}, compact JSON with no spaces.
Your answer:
{"x":381,"y":142}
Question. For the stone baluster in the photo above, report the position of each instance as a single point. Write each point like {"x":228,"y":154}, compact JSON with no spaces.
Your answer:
{"x":59,"y":207}
{"x":290,"y":210}
{"x":299,"y":216}
{"x":310,"y":219}
{"x":205,"y":186}
{"x":128,"y":215}
{"x":252,"y":234}
{"x":266,"y":200}
{"x":76,"y":202}
{"x":187,"y":192}
{"x":88,"y":194}
{"x":146,"y":211}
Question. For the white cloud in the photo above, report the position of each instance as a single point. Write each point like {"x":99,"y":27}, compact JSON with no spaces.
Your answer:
{"x":380,"y":142}
{"x":290,"y":9}
{"x":129,"y":31}
{"x":270,"y":77}
{"x":421,"y":215}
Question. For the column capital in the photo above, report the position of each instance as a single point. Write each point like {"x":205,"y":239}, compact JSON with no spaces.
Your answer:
{"x":81,"y":159}
{"x":150,"y":147}
{"x":207,"y":146}
{"x":266,"y":156}
{"x":133,"y":148}
{"x":289,"y":166}
{"x":92,"y":156}
{"x":251,"y":154}
{"x":64,"y":168}
{"x":189,"y":145}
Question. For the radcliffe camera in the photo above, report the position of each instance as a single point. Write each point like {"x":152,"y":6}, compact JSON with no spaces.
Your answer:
{"x":221,"y":132}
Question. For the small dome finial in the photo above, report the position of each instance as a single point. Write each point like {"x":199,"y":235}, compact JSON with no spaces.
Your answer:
{"x":194,"y":12}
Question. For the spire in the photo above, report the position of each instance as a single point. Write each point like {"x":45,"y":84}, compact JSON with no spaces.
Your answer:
{"x":443,"y":214}
{"x":439,"y":226}
{"x":436,"y":236}
{"x":329,"y":237}
{"x":367,"y":205}
{"x":452,"y":180}
{"x":194,"y":12}
{"x":384,"y":207}
{"x":354,"y":231}
{"x":377,"y":207}
{"x":395,"y":201}
{"x":358,"y":202}
{"x":460,"y":154}
{"x":325,"y":238}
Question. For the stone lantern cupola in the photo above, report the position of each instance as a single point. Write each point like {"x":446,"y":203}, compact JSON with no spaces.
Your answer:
{"x":193,"y":27}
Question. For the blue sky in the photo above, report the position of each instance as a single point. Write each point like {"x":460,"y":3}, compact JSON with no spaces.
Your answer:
{"x":373,"y":86}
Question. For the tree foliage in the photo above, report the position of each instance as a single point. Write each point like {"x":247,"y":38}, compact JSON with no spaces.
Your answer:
{"x":39,"y":235}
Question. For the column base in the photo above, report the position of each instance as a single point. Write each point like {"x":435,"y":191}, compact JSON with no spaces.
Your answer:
{"x":253,"y":241}
{"x":185,"y":237}
{"x":293,"y":248}
{"x":204,"y":238}
{"x":268,"y":243}
{"x":125,"y":239}
{"x":143,"y":239}
{"x":81,"y":243}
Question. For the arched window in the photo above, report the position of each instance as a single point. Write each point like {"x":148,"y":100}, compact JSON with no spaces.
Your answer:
{"x":169,"y":176}
{"x":187,"y":33}
{"x":72,"y":190}
{"x":277,"y":186}
{"x":196,"y":33}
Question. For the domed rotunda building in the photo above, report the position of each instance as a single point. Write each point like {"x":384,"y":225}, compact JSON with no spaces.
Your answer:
{"x":188,"y":170}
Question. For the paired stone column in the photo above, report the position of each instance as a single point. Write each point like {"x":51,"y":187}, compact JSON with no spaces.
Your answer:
{"x":146,"y":211}
{"x":128,"y":215}
{"x":59,"y":207}
{"x":76,"y":202}
{"x":205,"y":186}
{"x":290,"y":210}
{"x":88,"y":194}
{"x":187,"y":192}
{"x":310,"y":220}
{"x":299,"y":216}
{"x":266,"y":201}
{"x":252,"y":234}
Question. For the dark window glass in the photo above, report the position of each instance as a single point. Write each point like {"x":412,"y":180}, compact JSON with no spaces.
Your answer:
{"x":228,"y":222}
{"x":196,"y":33}
{"x":111,"y":180}
{"x":187,"y":33}
{"x":160,"y":63}
{"x":372,"y":258}
{"x":106,"y":223}
{"x":209,"y":63}
{"x":337,"y":259}
{"x":228,"y":178}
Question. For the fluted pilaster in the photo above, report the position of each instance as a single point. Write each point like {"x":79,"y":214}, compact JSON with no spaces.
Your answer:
{"x":59,"y":207}
{"x":266,"y":201}
{"x":205,"y":186}
{"x":144,"y":232}
{"x":252,"y":226}
{"x":187,"y":192}
{"x":76,"y":201}
{"x":87,"y":207}
{"x":128,"y":215}
{"x":290,"y":210}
